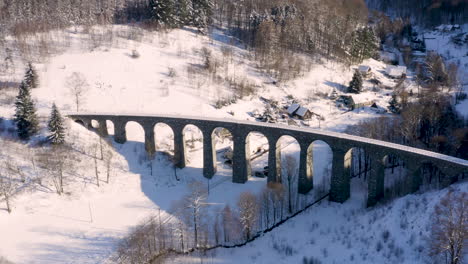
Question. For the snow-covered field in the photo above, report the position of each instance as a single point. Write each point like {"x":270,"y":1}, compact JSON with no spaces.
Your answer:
{"x":396,"y":232}
{"x":83,"y":225}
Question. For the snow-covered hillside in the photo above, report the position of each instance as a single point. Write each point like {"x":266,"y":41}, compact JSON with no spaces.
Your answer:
{"x":442,"y":42}
{"x":84,"y":224}
{"x":396,"y":232}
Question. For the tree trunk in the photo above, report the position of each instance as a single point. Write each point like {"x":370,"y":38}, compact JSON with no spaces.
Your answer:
{"x":96,"y":171}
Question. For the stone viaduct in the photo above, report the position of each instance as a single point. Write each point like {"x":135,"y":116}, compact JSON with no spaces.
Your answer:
{"x":339,"y":143}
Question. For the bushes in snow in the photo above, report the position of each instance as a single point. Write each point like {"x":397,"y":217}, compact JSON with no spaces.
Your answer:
{"x":135,"y":54}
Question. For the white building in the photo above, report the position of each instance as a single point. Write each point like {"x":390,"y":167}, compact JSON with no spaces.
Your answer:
{"x":395,"y":71}
{"x":364,"y":70}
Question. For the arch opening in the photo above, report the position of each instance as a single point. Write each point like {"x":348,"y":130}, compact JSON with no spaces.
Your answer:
{"x":223,"y":145}
{"x":257,"y":147}
{"x":110,"y":127}
{"x":164,"y":139}
{"x":79,"y":121}
{"x":431,"y":177}
{"x":396,"y":177}
{"x":193,"y":140}
{"x":134,"y":132}
{"x":319,"y":163}
{"x":357,"y":170}
{"x":135,"y":135}
{"x":288,"y":151}
{"x":95,"y":124}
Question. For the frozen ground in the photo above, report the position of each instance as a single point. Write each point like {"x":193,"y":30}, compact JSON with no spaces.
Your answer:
{"x":83,"y":225}
{"x":344,"y":233}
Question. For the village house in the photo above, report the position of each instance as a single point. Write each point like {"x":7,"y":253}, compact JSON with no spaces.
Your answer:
{"x":299,"y":111}
{"x":354,"y":102}
{"x":395,"y":71}
{"x":365,"y":70}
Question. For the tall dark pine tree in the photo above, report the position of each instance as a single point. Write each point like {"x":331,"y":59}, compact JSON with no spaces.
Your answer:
{"x":364,"y":45}
{"x":355,"y":86}
{"x":25,"y":114}
{"x":163,"y":12}
{"x":30,"y":76}
{"x":202,"y":14}
{"x":183,"y":12}
{"x":57,"y":132}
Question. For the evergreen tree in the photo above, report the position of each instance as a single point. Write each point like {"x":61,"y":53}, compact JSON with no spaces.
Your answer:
{"x":30,"y":76}
{"x":57,"y":131}
{"x":355,"y":86}
{"x":163,"y":12}
{"x":25,"y":114}
{"x":364,"y":45}
{"x":183,"y":12}
{"x":394,"y":106}
{"x":202,"y":14}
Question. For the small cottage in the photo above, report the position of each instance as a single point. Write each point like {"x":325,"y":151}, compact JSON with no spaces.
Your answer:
{"x":299,"y":111}
{"x":354,"y":102}
{"x":303,"y":113}
{"x":395,"y":71}
{"x":292,"y":109}
{"x":365,"y":70}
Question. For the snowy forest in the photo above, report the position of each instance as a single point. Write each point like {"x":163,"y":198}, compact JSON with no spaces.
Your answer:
{"x":394,"y":71}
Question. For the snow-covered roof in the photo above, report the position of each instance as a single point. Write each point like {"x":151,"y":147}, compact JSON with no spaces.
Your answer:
{"x":364,"y":68}
{"x":301,"y":111}
{"x":395,"y":71}
{"x":361,"y":98}
{"x":293,"y":108}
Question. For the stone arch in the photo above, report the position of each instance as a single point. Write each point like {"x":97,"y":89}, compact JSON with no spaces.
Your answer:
{"x":164,"y":138}
{"x":357,"y":170}
{"x":287,"y":144}
{"x":396,"y":176}
{"x":223,"y":148}
{"x":430,"y":177}
{"x":319,"y":166}
{"x":288,"y":152}
{"x":81,"y":122}
{"x":110,"y":127}
{"x":257,"y":148}
{"x":95,"y":124}
{"x":193,"y":142}
{"x":134,"y":131}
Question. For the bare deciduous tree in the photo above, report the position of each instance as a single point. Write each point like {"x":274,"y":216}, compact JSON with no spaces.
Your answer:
{"x":55,"y":161}
{"x":194,"y":203}
{"x":108,"y":158}
{"x":6,"y":186}
{"x":449,"y":232}
{"x":95,"y":149}
{"x":78,"y":87}
{"x":248,"y":212}
{"x":290,"y":174}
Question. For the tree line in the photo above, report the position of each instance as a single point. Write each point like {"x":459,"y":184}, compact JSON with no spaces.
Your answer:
{"x":337,"y":29}
{"x":29,"y":16}
{"x":425,"y":12}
